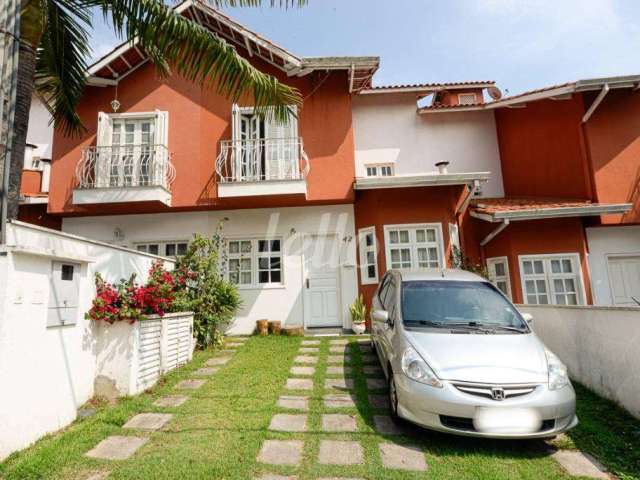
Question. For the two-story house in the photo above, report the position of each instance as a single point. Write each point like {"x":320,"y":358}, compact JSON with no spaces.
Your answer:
{"x":360,"y":180}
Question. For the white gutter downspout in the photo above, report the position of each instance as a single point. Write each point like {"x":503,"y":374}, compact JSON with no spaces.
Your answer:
{"x":596,"y":103}
{"x":492,"y":235}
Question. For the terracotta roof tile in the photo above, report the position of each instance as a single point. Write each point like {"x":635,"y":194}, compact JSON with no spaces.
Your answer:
{"x":433,"y":85}
{"x":496,"y":205}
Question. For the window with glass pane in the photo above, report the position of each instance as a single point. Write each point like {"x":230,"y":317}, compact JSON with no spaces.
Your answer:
{"x":368,"y":255}
{"x":379,"y":170}
{"x":152,"y":248}
{"x":499,"y":274}
{"x":240,"y":262}
{"x":269,"y":261}
{"x":551,"y":280}
{"x":175,"y":249}
{"x":131,"y":151}
{"x":415,"y":247}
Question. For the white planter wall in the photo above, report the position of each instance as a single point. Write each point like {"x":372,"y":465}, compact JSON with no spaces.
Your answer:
{"x":47,"y":372}
{"x":132,"y":357}
{"x":599,"y":345}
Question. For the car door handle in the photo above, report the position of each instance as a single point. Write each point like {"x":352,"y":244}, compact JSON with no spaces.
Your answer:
{"x":307,"y":282}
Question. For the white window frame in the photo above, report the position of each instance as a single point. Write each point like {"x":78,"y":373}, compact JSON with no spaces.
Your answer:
{"x":413,"y":245}
{"x":548,"y":276}
{"x":162,"y":246}
{"x":494,"y":278}
{"x":160,"y":122}
{"x":467,"y":95}
{"x":377,"y":168}
{"x":255,"y":255}
{"x":364,"y":250}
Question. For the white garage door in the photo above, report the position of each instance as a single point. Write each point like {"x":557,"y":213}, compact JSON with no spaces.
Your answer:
{"x":624,"y":275}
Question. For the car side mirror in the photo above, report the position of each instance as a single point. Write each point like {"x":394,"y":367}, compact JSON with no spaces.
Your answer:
{"x":380,"y":316}
{"x":527,"y":318}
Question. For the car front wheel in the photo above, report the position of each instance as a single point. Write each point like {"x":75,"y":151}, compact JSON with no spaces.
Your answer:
{"x":393,"y":397}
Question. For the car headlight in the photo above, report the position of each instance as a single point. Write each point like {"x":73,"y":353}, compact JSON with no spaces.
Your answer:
{"x":558,"y":376}
{"x":417,"y":369}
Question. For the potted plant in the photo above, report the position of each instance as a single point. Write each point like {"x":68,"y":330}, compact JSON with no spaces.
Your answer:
{"x":358,"y":314}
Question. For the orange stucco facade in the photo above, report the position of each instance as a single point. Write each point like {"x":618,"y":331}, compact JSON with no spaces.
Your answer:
{"x":542,"y":151}
{"x":199,"y":118}
{"x":613,"y":139}
{"x":377,"y":208}
{"x":31,"y":183}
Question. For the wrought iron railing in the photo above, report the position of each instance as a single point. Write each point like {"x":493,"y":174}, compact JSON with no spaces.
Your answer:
{"x":265,"y":159}
{"x":125,"y":166}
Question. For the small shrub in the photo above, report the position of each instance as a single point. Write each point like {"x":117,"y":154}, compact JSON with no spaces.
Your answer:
{"x":460,"y":260}
{"x":213,"y":300}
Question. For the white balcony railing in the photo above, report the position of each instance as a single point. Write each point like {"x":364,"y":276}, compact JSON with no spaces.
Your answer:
{"x":125,"y":166}
{"x":262,"y":160}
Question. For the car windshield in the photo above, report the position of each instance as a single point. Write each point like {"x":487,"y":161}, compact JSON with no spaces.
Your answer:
{"x":445,"y":304}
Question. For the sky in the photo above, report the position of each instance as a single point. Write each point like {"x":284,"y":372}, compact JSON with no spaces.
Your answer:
{"x":521,"y":44}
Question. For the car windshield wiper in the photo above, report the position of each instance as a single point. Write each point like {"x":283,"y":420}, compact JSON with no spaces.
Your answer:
{"x":427,"y":323}
{"x":505,"y":327}
{"x":487,"y":327}
{"x":475,"y":326}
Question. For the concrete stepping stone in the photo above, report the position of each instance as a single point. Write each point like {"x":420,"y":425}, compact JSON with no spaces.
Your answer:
{"x":310,"y":342}
{"x":227,"y":352}
{"x":296,"y":370}
{"x":579,"y":464}
{"x":206,"y":371}
{"x":402,"y":457}
{"x":339,"y":349}
{"x":170,"y":401}
{"x":339,"y":383}
{"x":285,"y":422}
{"x":217,"y":361}
{"x":234,"y":344}
{"x":299,"y":384}
{"x":376,"y":383}
{"x":386,"y":426}
{"x":339,"y":401}
{"x":306,"y":359}
{"x":148,"y":421}
{"x":98,"y":475}
{"x":369,"y":359}
{"x":309,"y":350}
{"x":344,"y":371}
{"x":379,"y":401}
{"x":293,"y":402}
{"x":341,"y":341}
{"x":337,"y":422}
{"x":366,"y":340}
{"x":190,"y":384}
{"x":334,"y":452}
{"x":339,"y":478}
{"x":117,"y":447}
{"x":372,"y":370}
{"x":338,"y":359}
{"x":281,"y":452}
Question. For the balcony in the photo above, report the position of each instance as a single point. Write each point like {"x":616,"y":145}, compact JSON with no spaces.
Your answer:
{"x":265,"y":166}
{"x":124,"y":173}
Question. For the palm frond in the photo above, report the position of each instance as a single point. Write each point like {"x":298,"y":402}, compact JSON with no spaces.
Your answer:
{"x":197,"y":54}
{"x":61,"y":61}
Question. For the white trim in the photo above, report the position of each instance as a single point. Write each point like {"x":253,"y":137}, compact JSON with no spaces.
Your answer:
{"x":492,"y":262}
{"x":255,"y":255}
{"x":363,"y":250}
{"x":413,"y":245}
{"x":420,"y":180}
{"x":575,"y":260}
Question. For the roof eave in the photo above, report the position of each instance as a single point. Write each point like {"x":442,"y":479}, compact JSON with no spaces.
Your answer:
{"x":426,"y":180}
{"x":544,"y":213}
{"x":424,"y":89}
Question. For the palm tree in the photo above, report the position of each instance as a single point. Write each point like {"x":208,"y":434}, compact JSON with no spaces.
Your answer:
{"x":54,"y":54}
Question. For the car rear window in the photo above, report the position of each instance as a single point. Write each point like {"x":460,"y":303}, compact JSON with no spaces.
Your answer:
{"x":454,"y":302}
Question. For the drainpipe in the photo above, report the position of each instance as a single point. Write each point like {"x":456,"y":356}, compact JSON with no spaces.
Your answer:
{"x":492,"y":235}
{"x":596,"y":103}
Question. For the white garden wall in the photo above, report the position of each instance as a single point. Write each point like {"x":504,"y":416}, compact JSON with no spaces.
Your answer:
{"x":388,"y":129}
{"x":599,"y":345}
{"x":291,"y":225}
{"x":47,"y":372}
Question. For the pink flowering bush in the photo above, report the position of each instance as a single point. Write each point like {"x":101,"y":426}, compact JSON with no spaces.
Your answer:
{"x":127,"y":301}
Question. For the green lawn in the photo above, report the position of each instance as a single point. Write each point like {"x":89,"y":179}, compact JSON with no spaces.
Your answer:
{"x":219,"y":431}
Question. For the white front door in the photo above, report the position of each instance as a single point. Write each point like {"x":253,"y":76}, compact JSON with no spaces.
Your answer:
{"x":322,"y":282}
{"x":624,"y":275}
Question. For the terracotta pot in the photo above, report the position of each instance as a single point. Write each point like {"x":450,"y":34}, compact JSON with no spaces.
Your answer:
{"x":358,"y":328}
{"x":274,"y":327}
{"x":263,"y":327}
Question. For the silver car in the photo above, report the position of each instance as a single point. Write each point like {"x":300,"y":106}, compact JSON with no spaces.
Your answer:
{"x":460,"y":358}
